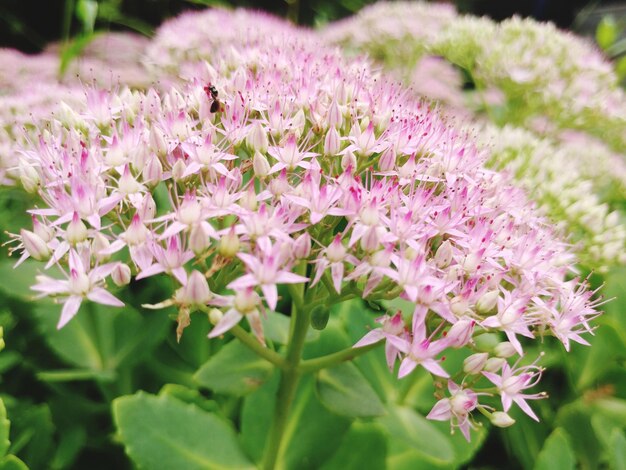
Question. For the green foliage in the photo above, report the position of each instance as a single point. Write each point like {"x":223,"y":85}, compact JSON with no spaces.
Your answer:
{"x":162,"y":432}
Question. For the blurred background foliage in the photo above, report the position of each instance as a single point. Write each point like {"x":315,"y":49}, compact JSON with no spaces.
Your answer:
{"x":29,"y":25}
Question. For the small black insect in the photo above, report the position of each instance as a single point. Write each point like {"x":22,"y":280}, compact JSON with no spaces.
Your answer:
{"x":212,"y":94}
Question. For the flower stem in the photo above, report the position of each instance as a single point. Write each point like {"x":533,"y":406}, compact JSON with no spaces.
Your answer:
{"x":289,"y":380}
{"x":252,"y":343}
{"x":330,"y":360}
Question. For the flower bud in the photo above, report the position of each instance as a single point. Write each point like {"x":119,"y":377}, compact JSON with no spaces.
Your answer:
{"x":504,"y":350}
{"x":348,"y":160}
{"x":336,"y":252}
{"x":459,"y":305}
{"x":121,"y":275}
{"x":42,"y":230}
{"x":178,"y":170}
{"x":99,"y":245}
{"x":335,"y":117}
{"x":229,"y":244}
{"x":332,"y":142}
{"x":157,"y":142}
{"x":370,"y":240}
{"x":196,"y":292}
{"x":29,"y":177}
{"x":471,"y":263}
{"x":153,"y":172}
{"x":246,"y":300}
{"x":198,"y":239}
{"x":34,"y":245}
{"x":494,"y":364}
{"x":248,"y":199}
{"x":487,"y":301}
{"x":257,"y":138}
{"x":501,"y":419}
{"x":443,"y":256}
{"x":127,"y":183}
{"x":76,"y":231}
{"x":215,"y":316}
{"x":260,"y":165}
{"x":302,"y":246}
{"x":387,"y":161}
{"x":460,"y":333}
{"x":474,"y":364}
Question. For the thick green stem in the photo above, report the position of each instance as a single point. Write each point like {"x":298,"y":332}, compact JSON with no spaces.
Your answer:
{"x":300,"y":318}
{"x":313,"y":365}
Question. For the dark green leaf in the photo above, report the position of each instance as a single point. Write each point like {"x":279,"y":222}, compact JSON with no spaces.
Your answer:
{"x":235,"y":370}
{"x":363,"y":446}
{"x":406,"y":425}
{"x":344,"y":390}
{"x":5,"y":426}
{"x":162,"y":432}
{"x":557,"y":453}
{"x":33,"y":431}
{"x":276,"y":328}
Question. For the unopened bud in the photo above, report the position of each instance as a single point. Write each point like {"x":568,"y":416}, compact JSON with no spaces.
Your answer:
{"x":348,"y":160}
{"x":99,"y":245}
{"x":76,"y":230}
{"x":257,"y":138}
{"x":34,"y":245}
{"x":157,"y":142}
{"x":302,"y":246}
{"x":198,"y":239}
{"x":229,"y":244}
{"x":387,"y":161}
{"x":474,"y":364}
{"x":196,"y":292}
{"x":471,"y":263}
{"x":504,"y":350}
{"x":332,"y":142}
{"x":153,"y":172}
{"x":459,"y":305}
{"x":494,"y":364}
{"x":248,"y":199}
{"x":487,"y":301}
{"x":443,"y":256}
{"x":121,"y":275}
{"x":501,"y":419}
{"x":30,"y":178}
{"x":260,"y":165}
{"x":335,"y":117}
{"x":178,"y":170}
{"x":215,"y":316}
{"x":460,"y":333}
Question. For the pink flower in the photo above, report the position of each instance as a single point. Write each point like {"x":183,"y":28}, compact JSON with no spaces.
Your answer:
{"x":457,"y":408}
{"x":79,"y":285}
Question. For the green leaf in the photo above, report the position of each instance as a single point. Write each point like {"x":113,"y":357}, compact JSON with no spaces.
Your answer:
{"x":557,"y":453}
{"x":5,"y":426}
{"x":71,"y":442}
{"x":16,"y":282}
{"x":617,"y":454}
{"x":32,"y":434}
{"x":235,"y":370}
{"x":191,"y":396}
{"x":11,"y":462}
{"x":607,"y":32}
{"x":371,"y":441}
{"x":409,"y":427}
{"x":525,"y":439}
{"x":306,"y":442}
{"x":162,"y":432}
{"x":344,"y":390}
{"x":575,"y":417}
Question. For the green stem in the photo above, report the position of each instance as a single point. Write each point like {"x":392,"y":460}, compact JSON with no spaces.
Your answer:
{"x":252,"y":343}
{"x":330,"y":360}
{"x":300,"y":318}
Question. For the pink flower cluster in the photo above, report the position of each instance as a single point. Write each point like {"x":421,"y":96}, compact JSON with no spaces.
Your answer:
{"x":285,"y":164}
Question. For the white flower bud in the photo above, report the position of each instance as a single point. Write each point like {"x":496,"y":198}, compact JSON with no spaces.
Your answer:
{"x":501,"y":419}
{"x":34,"y":245}
{"x":198,"y":239}
{"x":229,"y":244}
{"x":257,"y":138}
{"x":121,"y":275}
{"x":474,"y":364}
{"x":196,"y":292}
{"x":260,"y":165}
{"x":302,"y":246}
{"x":443,"y":256}
{"x":459,"y":305}
{"x":215,"y":316}
{"x":348,"y":160}
{"x":29,"y":177}
{"x":76,"y":231}
{"x":248,"y":199}
{"x":494,"y":364}
{"x":332,"y":142}
{"x":153,"y":172}
{"x":487,"y":301}
{"x":99,"y":244}
{"x":504,"y":350}
{"x":178,"y":170}
{"x":157,"y":142}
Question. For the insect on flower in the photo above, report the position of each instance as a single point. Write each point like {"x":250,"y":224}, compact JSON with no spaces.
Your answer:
{"x":212,"y":93}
